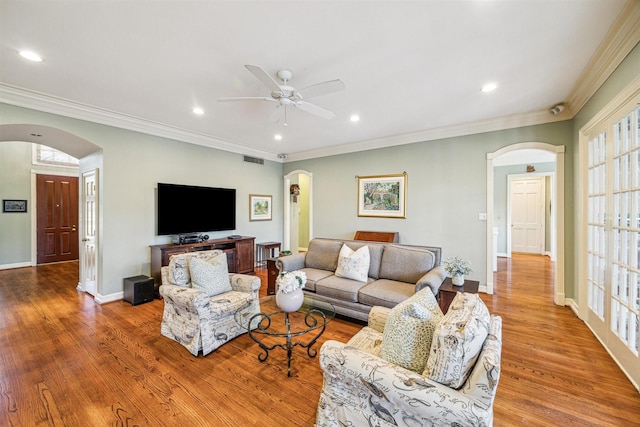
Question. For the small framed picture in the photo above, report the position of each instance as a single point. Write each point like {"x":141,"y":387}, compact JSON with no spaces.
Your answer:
{"x":259,"y":207}
{"x":382,"y":196}
{"x":19,"y":206}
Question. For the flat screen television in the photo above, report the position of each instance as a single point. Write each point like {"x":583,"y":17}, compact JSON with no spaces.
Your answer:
{"x":184,"y":209}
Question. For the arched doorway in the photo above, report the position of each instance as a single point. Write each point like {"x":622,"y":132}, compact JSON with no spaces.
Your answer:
{"x":298,"y":228}
{"x":90,"y":157}
{"x":557,"y":201}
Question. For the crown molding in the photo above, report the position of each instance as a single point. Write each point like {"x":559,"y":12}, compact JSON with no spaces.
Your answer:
{"x":490,"y":125}
{"x":623,"y":36}
{"x":20,"y":97}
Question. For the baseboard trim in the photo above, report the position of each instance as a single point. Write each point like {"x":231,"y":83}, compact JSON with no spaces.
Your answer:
{"x":15,"y":265}
{"x":104,"y":299}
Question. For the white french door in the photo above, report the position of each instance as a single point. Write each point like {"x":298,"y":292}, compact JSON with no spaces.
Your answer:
{"x":88,"y":247}
{"x":613,"y":234}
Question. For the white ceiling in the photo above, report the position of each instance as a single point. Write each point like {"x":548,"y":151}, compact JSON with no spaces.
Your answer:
{"x":409,"y":67}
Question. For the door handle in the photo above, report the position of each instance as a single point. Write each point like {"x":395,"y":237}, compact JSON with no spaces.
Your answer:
{"x":85,"y":240}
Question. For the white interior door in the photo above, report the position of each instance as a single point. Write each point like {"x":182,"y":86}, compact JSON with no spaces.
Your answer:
{"x":88,"y":251}
{"x":527,"y":215}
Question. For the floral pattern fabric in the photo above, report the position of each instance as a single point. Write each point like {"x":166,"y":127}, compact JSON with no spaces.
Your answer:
{"x":203,"y":323}
{"x":361,"y":389}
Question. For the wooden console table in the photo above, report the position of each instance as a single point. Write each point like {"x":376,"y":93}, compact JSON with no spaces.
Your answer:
{"x":240,"y":254}
{"x":448,"y":292}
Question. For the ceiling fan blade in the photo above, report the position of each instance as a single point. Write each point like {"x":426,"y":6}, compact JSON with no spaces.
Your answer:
{"x":246,"y":98}
{"x":264,"y":77}
{"x":315,"y":110}
{"x":321,"y":89}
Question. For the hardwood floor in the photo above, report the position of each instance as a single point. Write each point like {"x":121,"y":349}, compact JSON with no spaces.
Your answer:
{"x":67,"y":361}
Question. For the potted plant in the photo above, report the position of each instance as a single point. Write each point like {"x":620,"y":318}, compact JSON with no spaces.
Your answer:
{"x":457,"y":268}
{"x":289,"y":295}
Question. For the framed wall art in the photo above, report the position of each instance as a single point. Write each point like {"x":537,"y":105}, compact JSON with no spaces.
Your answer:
{"x":18,"y":206}
{"x":259,"y":207}
{"x":382,"y":196}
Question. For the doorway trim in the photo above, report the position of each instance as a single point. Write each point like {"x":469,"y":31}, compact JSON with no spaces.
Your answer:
{"x":286,"y":241}
{"x":557,"y":201}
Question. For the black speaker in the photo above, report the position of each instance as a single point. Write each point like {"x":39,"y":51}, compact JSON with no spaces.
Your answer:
{"x":138,"y":289}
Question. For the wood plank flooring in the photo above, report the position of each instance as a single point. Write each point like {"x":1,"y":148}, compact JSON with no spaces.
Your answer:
{"x":67,"y":361}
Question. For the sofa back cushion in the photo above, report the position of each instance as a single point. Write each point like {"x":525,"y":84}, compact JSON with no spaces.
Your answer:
{"x":323,"y":254}
{"x":405,"y":264}
{"x":375,"y":256}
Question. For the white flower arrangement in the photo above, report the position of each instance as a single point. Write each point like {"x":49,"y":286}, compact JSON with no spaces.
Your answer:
{"x":290,"y":281}
{"x":457,"y":266}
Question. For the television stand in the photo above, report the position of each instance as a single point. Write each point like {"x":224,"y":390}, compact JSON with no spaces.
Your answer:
{"x":240,"y":254}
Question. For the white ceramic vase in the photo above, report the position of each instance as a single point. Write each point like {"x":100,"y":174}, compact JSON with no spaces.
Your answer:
{"x":457,"y":279}
{"x":291,"y":301}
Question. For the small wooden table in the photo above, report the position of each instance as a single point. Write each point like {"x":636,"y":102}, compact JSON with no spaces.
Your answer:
{"x":266,"y":250}
{"x":272,"y":275}
{"x":448,"y":291}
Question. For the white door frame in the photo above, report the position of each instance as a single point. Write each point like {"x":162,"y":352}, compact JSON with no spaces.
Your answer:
{"x":557,"y":201}
{"x":515,"y":177}
{"x":286,"y":241}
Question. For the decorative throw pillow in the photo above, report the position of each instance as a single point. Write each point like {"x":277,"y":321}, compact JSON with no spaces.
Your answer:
{"x":210,"y":277}
{"x":353,"y":265}
{"x":458,"y":341}
{"x":409,"y":330}
{"x":179,"y":266}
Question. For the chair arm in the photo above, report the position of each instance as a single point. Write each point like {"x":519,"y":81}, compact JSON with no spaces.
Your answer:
{"x":245,"y":283}
{"x":188,"y":299}
{"x":291,"y":262}
{"x":359,"y":385}
{"x":378,"y":317}
{"x":433,"y":279}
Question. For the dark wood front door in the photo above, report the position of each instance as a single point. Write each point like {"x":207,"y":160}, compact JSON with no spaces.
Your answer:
{"x":57,"y":201}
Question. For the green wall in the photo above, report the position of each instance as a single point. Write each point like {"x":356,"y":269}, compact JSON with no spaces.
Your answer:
{"x":446,"y":189}
{"x":131,"y":166}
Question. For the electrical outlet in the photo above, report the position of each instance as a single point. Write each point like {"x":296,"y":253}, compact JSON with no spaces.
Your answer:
{"x":482,"y":216}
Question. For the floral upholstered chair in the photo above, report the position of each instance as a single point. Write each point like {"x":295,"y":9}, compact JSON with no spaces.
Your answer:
{"x":201,"y":299}
{"x":445,"y":374}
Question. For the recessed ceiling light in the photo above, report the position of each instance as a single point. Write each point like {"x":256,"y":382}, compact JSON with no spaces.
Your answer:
{"x":489,"y":87}
{"x":197,"y":110}
{"x":31,"y":56}
{"x":277,"y":137}
{"x":354,"y":118}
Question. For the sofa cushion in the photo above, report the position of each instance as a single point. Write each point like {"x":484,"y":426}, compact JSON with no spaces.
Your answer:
{"x":409,"y":330}
{"x":405,"y":264}
{"x":211,"y":277}
{"x":353,"y":264}
{"x":313,"y":275}
{"x":375,"y":256}
{"x":458,"y":340}
{"x":386,"y":293}
{"x":323,"y":254}
{"x":339,"y":288}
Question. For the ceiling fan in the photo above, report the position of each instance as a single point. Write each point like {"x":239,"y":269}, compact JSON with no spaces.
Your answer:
{"x":288,"y":96}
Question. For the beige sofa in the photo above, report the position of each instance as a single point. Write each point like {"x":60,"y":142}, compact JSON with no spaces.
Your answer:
{"x":396,"y":272}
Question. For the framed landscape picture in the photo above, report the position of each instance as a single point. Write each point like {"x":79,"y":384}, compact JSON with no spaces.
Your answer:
{"x":382,"y":196}
{"x":19,"y":206}
{"x":259,"y":207}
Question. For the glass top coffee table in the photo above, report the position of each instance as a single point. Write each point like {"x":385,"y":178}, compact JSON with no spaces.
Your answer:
{"x":273,"y":327}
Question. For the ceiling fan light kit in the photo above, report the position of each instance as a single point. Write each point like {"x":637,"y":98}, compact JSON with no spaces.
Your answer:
{"x":287,"y":96}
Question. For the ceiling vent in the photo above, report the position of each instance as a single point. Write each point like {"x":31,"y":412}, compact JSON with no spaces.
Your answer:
{"x":255,"y":160}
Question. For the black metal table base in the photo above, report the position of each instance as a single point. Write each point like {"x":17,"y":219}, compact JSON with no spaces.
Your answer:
{"x":314,"y":320}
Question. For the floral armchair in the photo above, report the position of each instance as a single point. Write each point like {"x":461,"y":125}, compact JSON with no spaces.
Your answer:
{"x":194,"y":318}
{"x":362,"y":389}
